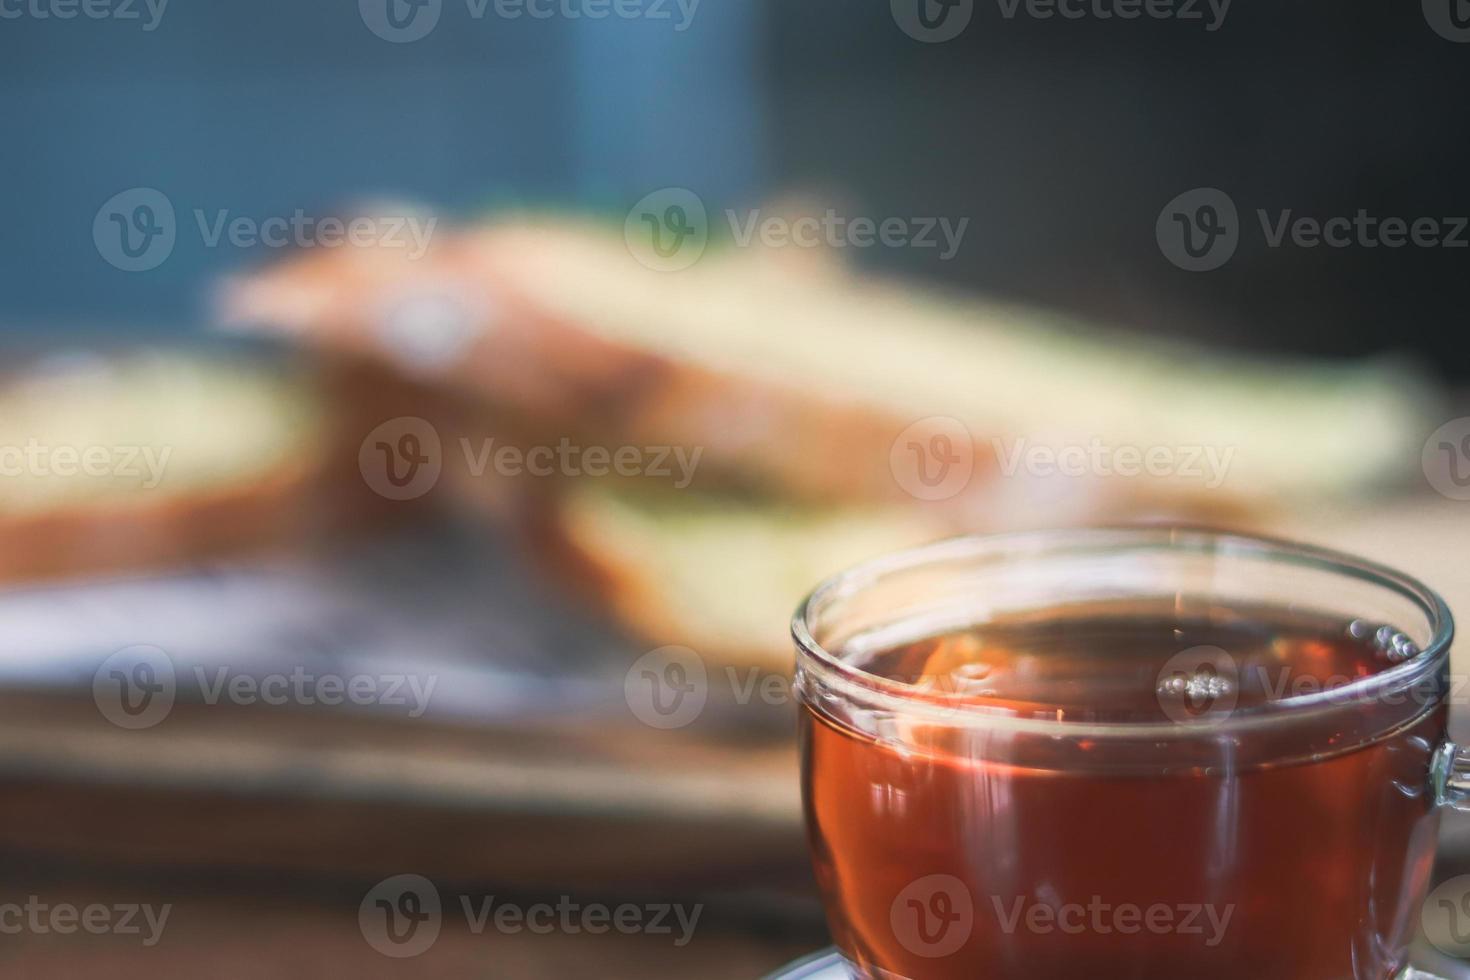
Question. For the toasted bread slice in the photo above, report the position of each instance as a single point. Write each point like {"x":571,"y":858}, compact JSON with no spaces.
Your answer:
{"x":150,"y":458}
{"x":807,"y":384}
{"x":718,"y":574}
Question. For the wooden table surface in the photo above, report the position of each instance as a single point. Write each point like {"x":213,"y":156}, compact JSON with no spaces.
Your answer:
{"x":264,"y":830}
{"x":265,"y":873}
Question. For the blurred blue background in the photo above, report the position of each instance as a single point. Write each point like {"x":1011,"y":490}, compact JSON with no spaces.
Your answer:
{"x":1058,"y":139}
{"x":266,"y":107}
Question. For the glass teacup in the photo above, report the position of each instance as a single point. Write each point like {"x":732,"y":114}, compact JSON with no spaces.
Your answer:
{"x":1140,"y":752}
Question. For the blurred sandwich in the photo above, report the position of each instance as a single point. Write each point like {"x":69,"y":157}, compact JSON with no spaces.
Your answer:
{"x":720,"y":574}
{"x":800,"y":383}
{"x":827,"y":408}
{"x":153,"y":457}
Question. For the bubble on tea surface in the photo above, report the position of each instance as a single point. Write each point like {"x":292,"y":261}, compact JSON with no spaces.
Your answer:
{"x":1388,"y":642}
{"x":1404,"y":648}
{"x":1201,"y":684}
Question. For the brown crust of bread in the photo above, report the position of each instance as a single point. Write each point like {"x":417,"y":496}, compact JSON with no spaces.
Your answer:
{"x":306,"y":498}
{"x":550,"y":378}
{"x":557,"y":378}
{"x":136,"y":534}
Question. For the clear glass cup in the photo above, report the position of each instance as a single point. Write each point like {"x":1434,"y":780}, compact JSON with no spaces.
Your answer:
{"x":1036,"y":829}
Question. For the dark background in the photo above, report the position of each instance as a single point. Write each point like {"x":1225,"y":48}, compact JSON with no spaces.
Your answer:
{"x":1059,"y":139}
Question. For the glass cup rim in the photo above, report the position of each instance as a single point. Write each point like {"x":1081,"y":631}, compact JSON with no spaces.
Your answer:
{"x":1179,"y":538}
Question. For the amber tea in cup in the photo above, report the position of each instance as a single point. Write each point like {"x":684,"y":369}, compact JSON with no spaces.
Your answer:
{"x":1137,"y":753}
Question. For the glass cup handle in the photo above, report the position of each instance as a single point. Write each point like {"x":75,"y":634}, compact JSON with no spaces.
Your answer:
{"x":1449,"y":776}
